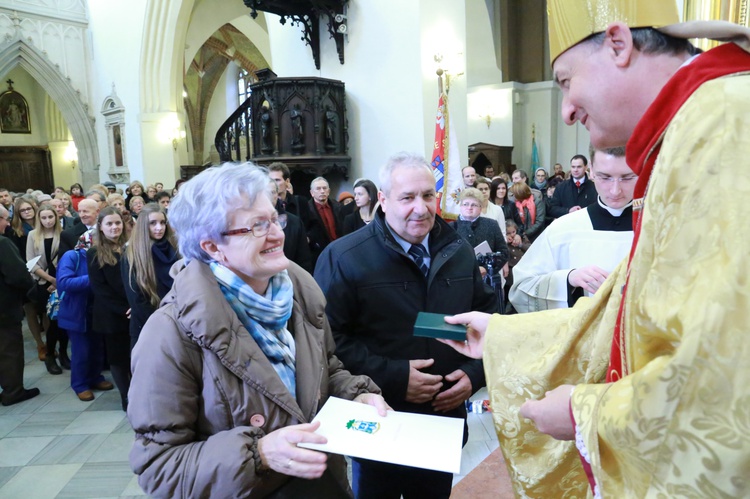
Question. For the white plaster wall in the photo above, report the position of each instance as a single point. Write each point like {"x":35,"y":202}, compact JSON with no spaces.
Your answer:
{"x":223,"y":103}
{"x":387,"y":80}
{"x":35,"y":95}
{"x":497,"y":99}
{"x":115,"y":59}
{"x":481,"y":64}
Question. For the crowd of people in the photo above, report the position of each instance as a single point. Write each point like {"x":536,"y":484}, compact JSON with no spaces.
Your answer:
{"x":110,"y":262}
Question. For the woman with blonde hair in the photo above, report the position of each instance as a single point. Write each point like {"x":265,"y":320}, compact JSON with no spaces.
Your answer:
{"x":24,"y":218}
{"x":43,"y":242}
{"x":150,"y":254}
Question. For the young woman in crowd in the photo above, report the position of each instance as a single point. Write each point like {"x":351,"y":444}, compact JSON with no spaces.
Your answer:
{"x":136,"y":205}
{"x":116,"y":200}
{"x":76,"y":195}
{"x":530,"y":210}
{"x":24,"y":218}
{"x":110,"y":306}
{"x":490,"y":210}
{"x":151,"y":252}
{"x":499,"y":196}
{"x":366,"y":199}
{"x":43,"y":242}
{"x":134,"y":189}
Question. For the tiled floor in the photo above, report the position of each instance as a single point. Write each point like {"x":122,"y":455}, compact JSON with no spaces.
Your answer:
{"x":55,"y":446}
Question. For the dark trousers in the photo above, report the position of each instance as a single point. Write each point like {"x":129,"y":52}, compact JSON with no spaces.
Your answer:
{"x":86,"y":359}
{"x":375,"y":480}
{"x":11,"y":360}
{"x":118,"y":354}
{"x":56,"y":336}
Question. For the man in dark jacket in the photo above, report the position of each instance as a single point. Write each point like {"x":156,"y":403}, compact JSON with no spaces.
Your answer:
{"x":15,"y":281}
{"x":575,"y":193}
{"x":88,"y":210}
{"x":292,"y":203}
{"x":325,"y":222}
{"x":376,"y":280}
{"x":295,"y":239}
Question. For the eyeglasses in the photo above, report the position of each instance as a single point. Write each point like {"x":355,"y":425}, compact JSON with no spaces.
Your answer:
{"x":609,"y":180}
{"x":259,"y":228}
{"x":470,"y":205}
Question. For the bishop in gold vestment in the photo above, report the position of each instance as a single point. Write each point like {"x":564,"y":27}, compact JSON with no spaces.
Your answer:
{"x":675,"y":420}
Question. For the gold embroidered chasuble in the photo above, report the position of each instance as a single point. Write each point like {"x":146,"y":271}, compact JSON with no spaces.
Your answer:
{"x":679,"y":423}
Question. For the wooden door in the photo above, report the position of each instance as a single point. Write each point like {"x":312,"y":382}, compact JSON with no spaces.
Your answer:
{"x":22,"y":168}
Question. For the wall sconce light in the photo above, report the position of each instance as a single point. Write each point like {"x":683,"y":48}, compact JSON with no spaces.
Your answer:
{"x":175,"y":135}
{"x":444,"y":67}
{"x":71,"y":155}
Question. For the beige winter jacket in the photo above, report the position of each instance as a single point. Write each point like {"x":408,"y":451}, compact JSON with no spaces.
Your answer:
{"x":203,"y":392}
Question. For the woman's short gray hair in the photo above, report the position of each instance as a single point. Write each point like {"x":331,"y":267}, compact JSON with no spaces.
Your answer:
{"x":402,"y":159}
{"x":199,"y":211}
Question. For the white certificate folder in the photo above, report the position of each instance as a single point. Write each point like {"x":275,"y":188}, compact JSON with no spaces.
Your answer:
{"x":355,"y":429}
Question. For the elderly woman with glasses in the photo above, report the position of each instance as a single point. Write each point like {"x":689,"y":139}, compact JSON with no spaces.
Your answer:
{"x":476,"y":229}
{"x":238,"y":359}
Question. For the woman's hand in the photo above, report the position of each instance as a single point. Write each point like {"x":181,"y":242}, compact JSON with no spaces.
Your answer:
{"x":483,"y":271}
{"x":506,"y":270}
{"x":374,"y":400}
{"x":278,"y":450}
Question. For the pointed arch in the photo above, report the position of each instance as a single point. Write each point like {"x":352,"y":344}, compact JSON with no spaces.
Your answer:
{"x":17,"y":52}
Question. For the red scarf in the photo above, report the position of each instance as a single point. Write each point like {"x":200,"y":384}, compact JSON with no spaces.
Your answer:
{"x":529,"y":204}
{"x":645,"y":143}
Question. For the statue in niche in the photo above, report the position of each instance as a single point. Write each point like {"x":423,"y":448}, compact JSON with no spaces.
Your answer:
{"x":298,"y":132}
{"x":331,"y":128}
{"x":265,"y":130}
{"x":117,"y":140}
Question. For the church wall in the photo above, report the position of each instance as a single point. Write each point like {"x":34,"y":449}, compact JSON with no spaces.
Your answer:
{"x":391,"y":88}
{"x":224,"y":102}
{"x":116,"y":55}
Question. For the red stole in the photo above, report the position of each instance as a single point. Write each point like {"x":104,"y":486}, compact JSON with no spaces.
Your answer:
{"x":645,"y":143}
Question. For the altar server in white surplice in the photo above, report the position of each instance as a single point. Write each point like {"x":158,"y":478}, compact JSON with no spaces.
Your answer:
{"x":576,"y":253}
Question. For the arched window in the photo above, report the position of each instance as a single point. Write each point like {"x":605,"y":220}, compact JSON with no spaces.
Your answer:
{"x":244,"y":80}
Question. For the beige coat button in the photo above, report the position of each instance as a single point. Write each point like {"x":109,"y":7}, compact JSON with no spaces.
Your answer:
{"x":257,"y":420}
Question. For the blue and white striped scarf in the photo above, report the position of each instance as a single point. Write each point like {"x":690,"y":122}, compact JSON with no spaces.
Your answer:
{"x":265,"y":317}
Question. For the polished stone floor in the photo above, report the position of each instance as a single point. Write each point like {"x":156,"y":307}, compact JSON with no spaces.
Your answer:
{"x":55,"y":446}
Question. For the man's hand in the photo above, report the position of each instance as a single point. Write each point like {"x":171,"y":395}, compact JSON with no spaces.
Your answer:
{"x":551,"y":415}
{"x":422,"y":387}
{"x":482,"y":271}
{"x":575,"y":208}
{"x":375,"y":400}
{"x":589,"y":278}
{"x":506,"y":270}
{"x":477,"y":325}
{"x":455,"y":395}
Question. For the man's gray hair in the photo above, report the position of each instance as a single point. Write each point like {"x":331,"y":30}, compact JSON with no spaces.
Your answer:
{"x":401,"y":160}
{"x":317,"y":179}
{"x":652,"y":41}
{"x":98,"y":194}
{"x":200,"y":210}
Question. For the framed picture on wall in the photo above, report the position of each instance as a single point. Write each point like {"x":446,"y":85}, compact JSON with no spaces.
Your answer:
{"x":14,"y":112}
